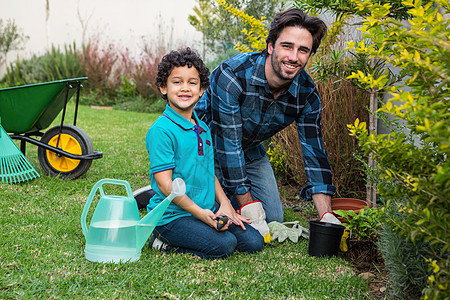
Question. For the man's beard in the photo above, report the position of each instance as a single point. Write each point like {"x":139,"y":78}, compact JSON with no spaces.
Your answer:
{"x":276,"y":67}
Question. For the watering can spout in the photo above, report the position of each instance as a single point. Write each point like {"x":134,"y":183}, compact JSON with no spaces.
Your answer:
{"x":146,"y":225}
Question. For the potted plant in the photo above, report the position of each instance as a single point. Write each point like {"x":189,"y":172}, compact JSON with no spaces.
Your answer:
{"x":363,"y":230}
{"x":348,"y":204}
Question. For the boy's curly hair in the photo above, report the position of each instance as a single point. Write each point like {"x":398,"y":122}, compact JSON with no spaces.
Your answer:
{"x":180,"y":58}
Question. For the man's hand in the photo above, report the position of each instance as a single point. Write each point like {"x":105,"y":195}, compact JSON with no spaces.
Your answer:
{"x":328,"y":217}
{"x":255,"y":212}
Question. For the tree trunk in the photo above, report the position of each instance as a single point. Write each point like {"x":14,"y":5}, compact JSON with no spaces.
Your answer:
{"x":371,"y":189}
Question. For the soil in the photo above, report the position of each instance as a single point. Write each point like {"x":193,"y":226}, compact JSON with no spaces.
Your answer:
{"x":364,"y":255}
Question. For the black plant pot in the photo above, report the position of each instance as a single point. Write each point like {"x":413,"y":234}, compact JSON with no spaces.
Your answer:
{"x":324,"y":238}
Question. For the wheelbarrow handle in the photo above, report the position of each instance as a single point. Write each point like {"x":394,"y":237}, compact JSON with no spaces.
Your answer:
{"x":91,"y":156}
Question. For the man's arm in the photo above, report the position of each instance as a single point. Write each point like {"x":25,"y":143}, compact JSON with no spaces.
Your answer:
{"x":322,"y":203}
{"x":315,"y":158}
{"x":244,"y":198}
{"x":226,"y":128}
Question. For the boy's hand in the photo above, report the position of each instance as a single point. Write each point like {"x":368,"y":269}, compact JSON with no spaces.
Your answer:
{"x":206,"y":216}
{"x":221,"y":222}
{"x":227,"y":210}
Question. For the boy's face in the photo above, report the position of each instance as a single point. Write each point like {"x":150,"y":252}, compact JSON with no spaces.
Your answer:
{"x":183,"y":89}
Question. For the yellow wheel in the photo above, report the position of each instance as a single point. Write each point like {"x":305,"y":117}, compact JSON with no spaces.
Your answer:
{"x":72,"y":140}
{"x":69,"y":144}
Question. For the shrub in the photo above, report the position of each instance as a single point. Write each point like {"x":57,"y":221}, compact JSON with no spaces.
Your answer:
{"x":11,"y":38}
{"x":98,"y":64}
{"x":127,"y":79}
{"x":341,"y":103}
{"x":414,"y":165}
{"x":62,"y":65}
{"x":142,"y":72}
{"x":53,"y":65}
{"x":25,"y":71}
{"x":405,"y":262}
{"x":220,"y":32}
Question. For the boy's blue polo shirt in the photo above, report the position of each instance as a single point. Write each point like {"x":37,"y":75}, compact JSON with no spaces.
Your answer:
{"x":175,"y":143}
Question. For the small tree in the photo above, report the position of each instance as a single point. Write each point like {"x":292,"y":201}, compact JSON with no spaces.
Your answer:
{"x":349,"y":13}
{"x":415,"y":167}
{"x":11,"y":38}
{"x":220,"y":33}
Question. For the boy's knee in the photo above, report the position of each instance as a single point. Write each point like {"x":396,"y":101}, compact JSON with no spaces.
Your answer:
{"x":224,"y":247}
{"x":256,"y":244}
{"x":252,"y":242}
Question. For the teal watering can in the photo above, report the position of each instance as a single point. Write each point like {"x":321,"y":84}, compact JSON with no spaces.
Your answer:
{"x":116,"y":232}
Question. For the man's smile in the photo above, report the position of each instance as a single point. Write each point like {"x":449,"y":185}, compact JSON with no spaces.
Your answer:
{"x":291,"y":66}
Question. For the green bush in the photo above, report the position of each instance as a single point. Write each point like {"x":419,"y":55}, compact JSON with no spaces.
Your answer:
{"x":26,"y":71}
{"x":58,"y":65}
{"x":414,"y":166}
{"x":11,"y":38}
{"x":55,"y":64}
{"x":342,"y":103}
{"x":405,"y":264}
{"x":114,"y":77}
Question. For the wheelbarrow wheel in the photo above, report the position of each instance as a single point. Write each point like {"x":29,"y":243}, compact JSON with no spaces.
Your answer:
{"x":72,"y":140}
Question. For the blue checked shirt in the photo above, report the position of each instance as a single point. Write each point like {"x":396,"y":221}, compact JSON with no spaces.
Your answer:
{"x":241,"y":112}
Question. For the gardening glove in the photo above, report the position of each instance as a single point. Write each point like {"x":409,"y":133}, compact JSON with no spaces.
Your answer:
{"x":343,"y":245}
{"x":255,"y":212}
{"x":330,"y":218}
{"x":281,"y":231}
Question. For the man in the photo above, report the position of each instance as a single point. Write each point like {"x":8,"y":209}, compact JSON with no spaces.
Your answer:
{"x":253,"y":96}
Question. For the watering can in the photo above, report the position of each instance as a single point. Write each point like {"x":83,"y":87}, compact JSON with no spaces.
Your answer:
{"x":116,"y":232}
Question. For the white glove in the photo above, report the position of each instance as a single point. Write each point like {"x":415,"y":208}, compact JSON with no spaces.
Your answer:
{"x":328,"y":217}
{"x":281,"y":231}
{"x":255,"y":212}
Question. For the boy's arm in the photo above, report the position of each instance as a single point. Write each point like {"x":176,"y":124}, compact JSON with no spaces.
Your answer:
{"x":226,"y":209}
{"x":164,"y":181}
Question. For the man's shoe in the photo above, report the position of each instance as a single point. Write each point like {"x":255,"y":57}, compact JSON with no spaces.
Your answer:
{"x":143,"y":196}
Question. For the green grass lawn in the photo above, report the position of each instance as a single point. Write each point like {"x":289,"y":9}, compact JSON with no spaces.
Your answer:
{"x":42,"y":244}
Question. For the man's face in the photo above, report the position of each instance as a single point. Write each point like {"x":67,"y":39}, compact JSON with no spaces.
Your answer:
{"x":291,"y":52}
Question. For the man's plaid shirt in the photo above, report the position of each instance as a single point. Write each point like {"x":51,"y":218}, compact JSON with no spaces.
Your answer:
{"x":241,"y":112}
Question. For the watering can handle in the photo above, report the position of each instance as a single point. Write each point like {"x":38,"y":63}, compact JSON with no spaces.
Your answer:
{"x":99,"y":186}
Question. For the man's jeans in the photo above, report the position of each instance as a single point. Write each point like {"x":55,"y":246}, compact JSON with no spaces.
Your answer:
{"x":190,"y":235}
{"x":264,"y":188}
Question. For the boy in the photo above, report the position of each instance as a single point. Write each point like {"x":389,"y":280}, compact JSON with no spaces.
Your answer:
{"x":180,"y":145}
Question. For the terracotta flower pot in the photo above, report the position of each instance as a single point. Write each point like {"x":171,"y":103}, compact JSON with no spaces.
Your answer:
{"x":347,"y":204}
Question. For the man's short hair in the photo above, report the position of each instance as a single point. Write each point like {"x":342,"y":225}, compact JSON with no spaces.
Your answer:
{"x":296,"y":17}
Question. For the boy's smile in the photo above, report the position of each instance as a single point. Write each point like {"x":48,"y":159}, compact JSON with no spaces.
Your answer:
{"x":183,"y":90}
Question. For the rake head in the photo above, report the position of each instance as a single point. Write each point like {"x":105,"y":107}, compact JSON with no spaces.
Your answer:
{"x":14,"y":167}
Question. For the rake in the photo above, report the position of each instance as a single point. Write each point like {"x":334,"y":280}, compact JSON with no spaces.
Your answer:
{"x":14,"y":167}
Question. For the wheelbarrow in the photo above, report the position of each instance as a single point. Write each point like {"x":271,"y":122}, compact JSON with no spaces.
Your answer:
{"x":27,"y":110}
